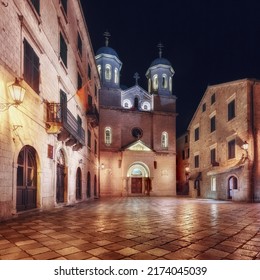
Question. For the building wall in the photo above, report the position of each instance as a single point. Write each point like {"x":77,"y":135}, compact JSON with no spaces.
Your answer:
{"x":26,"y":124}
{"x":238,"y":128}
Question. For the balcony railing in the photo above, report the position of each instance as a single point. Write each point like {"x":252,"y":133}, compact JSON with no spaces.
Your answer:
{"x":61,"y":121}
{"x":92,"y":115}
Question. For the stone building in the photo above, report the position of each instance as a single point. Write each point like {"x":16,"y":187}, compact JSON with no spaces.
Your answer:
{"x":137,"y":130}
{"x":49,"y":142}
{"x":224,"y":142}
{"x":182,"y":164}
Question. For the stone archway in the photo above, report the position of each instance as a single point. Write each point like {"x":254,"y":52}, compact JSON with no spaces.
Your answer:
{"x":139,"y":175}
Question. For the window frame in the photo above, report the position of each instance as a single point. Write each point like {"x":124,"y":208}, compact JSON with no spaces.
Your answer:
{"x":165,"y":140}
{"x":108,"y":136}
{"x":231,"y":114}
{"x":231,"y":149}
{"x":63,"y":50}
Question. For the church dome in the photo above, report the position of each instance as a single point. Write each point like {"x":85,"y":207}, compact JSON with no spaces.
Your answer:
{"x":160,"y":60}
{"x":107,"y":50}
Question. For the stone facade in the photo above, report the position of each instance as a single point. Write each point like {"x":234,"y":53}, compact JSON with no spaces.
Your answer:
{"x":48,"y":148}
{"x":137,"y":131}
{"x":226,"y":118}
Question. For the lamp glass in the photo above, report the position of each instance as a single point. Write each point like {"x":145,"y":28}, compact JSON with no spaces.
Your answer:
{"x":245,"y":146}
{"x":17,"y":92}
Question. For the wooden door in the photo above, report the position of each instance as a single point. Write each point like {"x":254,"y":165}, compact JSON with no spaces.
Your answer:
{"x":60,"y":184}
{"x":136,"y":185}
{"x":78,"y":184}
{"x":26,"y":194}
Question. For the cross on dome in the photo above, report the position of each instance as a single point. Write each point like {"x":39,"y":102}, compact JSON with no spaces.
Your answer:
{"x":107,"y":35}
{"x":160,"y":47}
{"x":136,"y":77}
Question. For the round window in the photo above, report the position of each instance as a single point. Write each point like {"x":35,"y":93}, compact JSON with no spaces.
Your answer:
{"x":137,"y":132}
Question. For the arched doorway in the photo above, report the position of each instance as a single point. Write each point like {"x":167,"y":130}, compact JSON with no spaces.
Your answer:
{"x":88,"y":185}
{"x":78,"y":184}
{"x":60,"y":182}
{"x":140,"y":179}
{"x":232,"y":185}
{"x":26,"y":195}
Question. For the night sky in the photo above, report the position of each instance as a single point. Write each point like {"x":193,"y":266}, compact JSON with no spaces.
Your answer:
{"x":207,"y":41}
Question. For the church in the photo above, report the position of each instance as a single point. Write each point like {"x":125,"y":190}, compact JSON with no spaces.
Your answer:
{"x":137,"y":129}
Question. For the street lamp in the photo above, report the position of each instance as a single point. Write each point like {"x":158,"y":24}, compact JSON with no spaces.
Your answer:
{"x":17,"y":93}
{"x":245,"y":147}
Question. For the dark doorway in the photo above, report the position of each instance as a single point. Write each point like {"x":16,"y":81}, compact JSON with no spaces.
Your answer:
{"x":26,"y":195}
{"x":232,"y":185}
{"x":78,"y":184}
{"x":95,"y":187}
{"x":88,"y":185}
{"x":136,"y":185}
{"x":60,"y":183}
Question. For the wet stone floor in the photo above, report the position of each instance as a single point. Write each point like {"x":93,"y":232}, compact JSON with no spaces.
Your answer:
{"x":139,"y":228}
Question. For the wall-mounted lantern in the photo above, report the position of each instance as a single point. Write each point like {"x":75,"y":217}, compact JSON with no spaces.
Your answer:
{"x":245,"y":147}
{"x":17,"y":93}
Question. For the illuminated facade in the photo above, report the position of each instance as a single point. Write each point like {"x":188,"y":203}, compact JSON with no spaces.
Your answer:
{"x":49,"y":142}
{"x":137,"y":130}
{"x":224,"y":143}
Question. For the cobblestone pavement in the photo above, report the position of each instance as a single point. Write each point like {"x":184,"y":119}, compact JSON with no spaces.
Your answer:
{"x":140,"y":228}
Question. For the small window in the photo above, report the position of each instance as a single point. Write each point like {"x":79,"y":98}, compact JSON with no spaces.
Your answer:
{"x":170,"y":84}
{"x":196,"y":161}
{"x":213,"y":98}
{"x":99,"y":70}
{"x":95,"y":147}
{"x":183,"y":154}
{"x":204,"y":107}
{"x":212,"y":123}
{"x":186,"y":139}
{"x":63,"y":50}
{"x":79,"y":45}
{"x":231,"y":110}
{"x":108,"y":136}
{"x":164,"y":81}
{"x":155,"y":82}
{"x":108,"y":72}
{"x":197,"y":134}
{"x":231,"y":149}
{"x":116,"y":76}
{"x":213,"y":156}
{"x":164,"y":140}
{"x":31,"y":67}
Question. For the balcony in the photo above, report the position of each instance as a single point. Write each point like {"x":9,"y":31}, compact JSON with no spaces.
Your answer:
{"x":61,"y":121}
{"x":92,"y":116}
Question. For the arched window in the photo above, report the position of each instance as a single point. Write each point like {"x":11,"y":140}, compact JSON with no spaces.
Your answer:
{"x":155,"y":82}
{"x":164,"y":81}
{"x":127,"y":104}
{"x":149,"y":85}
{"x":116,"y":76}
{"x":146,"y":106}
{"x":99,"y":70}
{"x":108,"y":72}
{"x":170,"y":84}
{"x":108,"y":136}
{"x":164,"y":140}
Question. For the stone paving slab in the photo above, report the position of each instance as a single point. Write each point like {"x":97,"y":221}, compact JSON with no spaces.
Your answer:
{"x":138,"y":228}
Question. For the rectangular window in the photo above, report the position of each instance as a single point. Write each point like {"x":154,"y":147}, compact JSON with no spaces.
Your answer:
{"x":89,"y":138}
{"x":213,"y":98}
{"x":213,"y":184}
{"x":197,"y":134}
{"x":63,"y":50}
{"x":213,"y":156}
{"x":79,"y":45}
{"x":212,"y":123}
{"x":36,"y":5}
{"x":31,"y":67}
{"x":231,"y":149}
{"x":204,"y":107}
{"x":231,"y":110}
{"x":196,"y":161}
{"x":183,"y":154}
{"x":186,"y":139}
